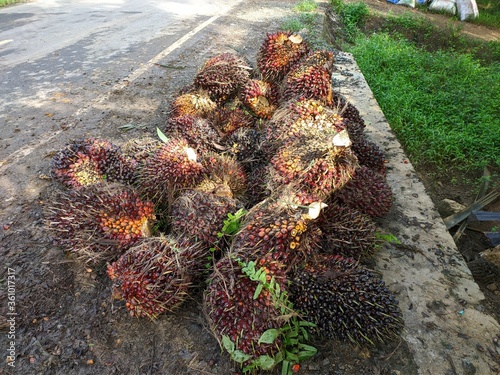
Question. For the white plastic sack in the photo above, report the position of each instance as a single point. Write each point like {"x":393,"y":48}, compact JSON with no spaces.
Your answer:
{"x":410,"y":3}
{"x":467,"y":9}
{"x":447,"y":6}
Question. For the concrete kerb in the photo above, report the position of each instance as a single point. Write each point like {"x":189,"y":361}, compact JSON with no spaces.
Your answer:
{"x":445,"y":327}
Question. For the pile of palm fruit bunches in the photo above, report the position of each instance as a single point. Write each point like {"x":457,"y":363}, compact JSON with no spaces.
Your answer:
{"x":261,"y":188}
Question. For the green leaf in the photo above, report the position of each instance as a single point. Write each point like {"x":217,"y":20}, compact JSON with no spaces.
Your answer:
{"x":257,"y":291}
{"x":305,"y":323}
{"x":285,"y":368}
{"x":269,"y":336}
{"x":162,"y":136}
{"x":228,"y":344}
{"x":265,"y":362}
{"x":240,"y":357}
{"x":291,"y":356}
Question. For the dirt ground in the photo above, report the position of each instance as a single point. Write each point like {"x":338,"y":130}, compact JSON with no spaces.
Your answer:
{"x":67,"y":322}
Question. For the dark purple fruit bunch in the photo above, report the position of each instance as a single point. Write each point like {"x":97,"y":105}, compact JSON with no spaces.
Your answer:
{"x":196,"y":104}
{"x":198,"y":132}
{"x":260,"y":97}
{"x":244,"y":145}
{"x":141,"y":149}
{"x":370,"y":155}
{"x":222,"y":76}
{"x":347,"y":232}
{"x":100,"y":220}
{"x":368,"y":192}
{"x":173,"y":167}
{"x":355,"y":124}
{"x":154,"y":276}
{"x":236,"y":314}
{"x":279,"y":53}
{"x":91,"y":161}
{"x":345,"y":300}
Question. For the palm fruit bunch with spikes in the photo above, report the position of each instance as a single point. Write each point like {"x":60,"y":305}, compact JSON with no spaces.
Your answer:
{"x":199,"y":215}
{"x":197,"y":131}
{"x":154,"y":276}
{"x":101,"y":220}
{"x":279,"y":53}
{"x":257,"y":184}
{"x":244,"y":145}
{"x":229,"y":120}
{"x":315,"y":162}
{"x":369,"y":155}
{"x":90,"y":161}
{"x":345,"y":300}
{"x":225,"y":176}
{"x":239,"y":314}
{"x":173,"y":167}
{"x":260,"y":97}
{"x":298,"y":118}
{"x":196,"y":103}
{"x":311,"y":78}
{"x":368,"y":192}
{"x":355,"y":124}
{"x":280,"y":228}
{"x":222,"y":76}
{"x":346,"y":231}
{"x":141,"y":148}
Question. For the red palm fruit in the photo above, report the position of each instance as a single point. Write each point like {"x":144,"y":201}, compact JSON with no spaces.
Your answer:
{"x":173,"y":167}
{"x":279,"y":52}
{"x":100,"y":221}
{"x":310,"y":82}
{"x":235,"y":313}
{"x":91,"y":161}
{"x":228,"y":120}
{"x":154,"y":276}
{"x":260,"y":97}
{"x":346,"y":231}
{"x":196,"y":104}
{"x":345,"y":300}
{"x":222,"y":76}
{"x":315,"y":163}
{"x":197,"y":131}
{"x":368,"y":192}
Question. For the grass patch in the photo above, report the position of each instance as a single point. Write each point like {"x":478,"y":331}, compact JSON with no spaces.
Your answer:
{"x":8,"y":2}
{"x":489,"y":13}
{"x":442,"y":105}
{"x":306,"y":6}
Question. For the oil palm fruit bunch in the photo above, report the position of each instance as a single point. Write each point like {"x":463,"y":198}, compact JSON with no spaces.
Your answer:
{"x":154,"y":276}
{"x":369,"y":155}
{"x":260,"y":97}
{"x":91,"y":161}
{"x":196,"y":103}
{"x":346,"y":231}
{"x":101,"y":220}
{"x":173,"y":167}
{"x":197,"y":131}
{"x":368,"y":192}
{"x":311,"y":78}
{"x":321,"y":164}
{"x":228,"y":120}
{"x":141,"y":148}
{"x":345,"y":300}
{"x":199,"y":215}
{"x":222,"y":76}
{"x":240,"y":309}
{"x":244,"y":145}
{"x":281,"y":228}
{"x":279,"y":53}
{"x":355,"y":124}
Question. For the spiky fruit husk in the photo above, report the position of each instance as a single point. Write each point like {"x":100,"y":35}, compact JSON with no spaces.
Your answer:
{"x":100,"y":221}
{"x":154,"y":276}
{"x":196,"y":104}
{"x":198,"y":132}
{"x":315,"y":164}
{"x":300,"y":118}
{"x":370,"y":155}
{"x":257,"y":189}
{"x":222,"y":76}
{"x":354,"y":123}
{"x":310,"y":82}
{"x":278,"y":228}
{"x":225,"y":176}
{"x":233,"y":312}
{"x":260,"y":97}
{"x":199,"y":216}
{"x":279,"y":52}
{"x":346,"y":301}
{"x":91,"y":161}
{"x":346,"y":231}
{"x":322,"y":58}
{"x":368,"y":192}
{"x":229,"y":120}
{"x":170,"y":169}
{"x":141,"y":148}
{"x":244,"y":145}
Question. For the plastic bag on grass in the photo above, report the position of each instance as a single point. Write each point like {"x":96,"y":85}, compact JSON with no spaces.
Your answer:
{"x":410,"y":3}
{"x":448,"y":6}
{"x":467,"y":9}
